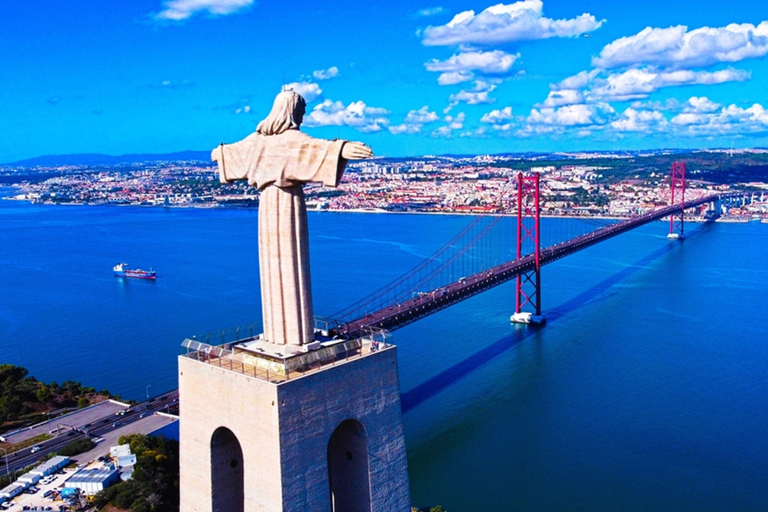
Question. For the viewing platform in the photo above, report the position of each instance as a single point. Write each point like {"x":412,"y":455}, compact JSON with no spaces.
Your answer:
{"x":255,"y":357}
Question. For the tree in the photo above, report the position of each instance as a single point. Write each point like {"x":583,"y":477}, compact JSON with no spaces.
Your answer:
{"x":76,"y":447}
{"x":154,"y":486}
{"x":43,"y":394}
{"x":72,"y":387}
{"x":10,"y":407}
{"x":10,"y":375}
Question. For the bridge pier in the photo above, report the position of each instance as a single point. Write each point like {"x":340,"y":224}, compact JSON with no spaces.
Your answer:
{"x":714,"y":210}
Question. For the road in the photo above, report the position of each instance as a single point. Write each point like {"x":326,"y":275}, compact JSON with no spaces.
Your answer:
{"x":16,"y":461}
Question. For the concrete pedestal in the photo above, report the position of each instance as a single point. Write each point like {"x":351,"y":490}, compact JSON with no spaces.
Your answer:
{"x":330,"y":440}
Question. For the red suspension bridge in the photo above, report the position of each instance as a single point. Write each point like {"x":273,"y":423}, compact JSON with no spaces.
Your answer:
{"x":425,"y":289}
{"x":491,"y":250}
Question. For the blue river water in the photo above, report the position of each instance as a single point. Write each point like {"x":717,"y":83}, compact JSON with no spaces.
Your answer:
{"x":646,"y":390}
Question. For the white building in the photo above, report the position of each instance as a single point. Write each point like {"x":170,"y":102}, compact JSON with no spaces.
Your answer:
{"x":11,"y":491}
{"x":51,"y":466}
{"x":29,"y":479}
{"x":91,"y":481}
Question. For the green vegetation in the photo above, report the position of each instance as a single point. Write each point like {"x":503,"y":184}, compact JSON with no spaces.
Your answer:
{"x":76,"y":447}
{"x":584,"y":197}
{"x":24,"y":400}
{"x":154,"y":486}
{"x":7,"y":479}
{"x":13,"y":447}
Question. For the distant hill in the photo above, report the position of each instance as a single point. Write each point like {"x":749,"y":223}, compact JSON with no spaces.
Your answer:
{"x":97,"y":159}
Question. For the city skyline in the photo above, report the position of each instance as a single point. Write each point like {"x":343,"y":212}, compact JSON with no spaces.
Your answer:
{"x":459,"y":77}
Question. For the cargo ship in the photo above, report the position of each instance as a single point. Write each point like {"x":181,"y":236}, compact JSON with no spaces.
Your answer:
{"x":121,"y":271}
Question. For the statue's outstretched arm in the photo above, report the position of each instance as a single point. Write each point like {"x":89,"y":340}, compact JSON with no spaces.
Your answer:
{"x":355,"y":151}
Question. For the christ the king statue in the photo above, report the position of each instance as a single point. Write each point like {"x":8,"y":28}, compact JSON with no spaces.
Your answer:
{"x":279,"y":159}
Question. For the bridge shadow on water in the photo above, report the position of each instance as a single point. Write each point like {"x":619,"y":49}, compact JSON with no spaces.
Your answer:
{"x":431,"y":387}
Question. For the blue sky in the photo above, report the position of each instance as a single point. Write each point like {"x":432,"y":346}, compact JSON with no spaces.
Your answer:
{"x":454,"y":76}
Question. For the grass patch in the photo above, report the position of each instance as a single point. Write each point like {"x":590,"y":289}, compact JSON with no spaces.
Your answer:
{"x":76,"y":447}
{"x":32,"y":441}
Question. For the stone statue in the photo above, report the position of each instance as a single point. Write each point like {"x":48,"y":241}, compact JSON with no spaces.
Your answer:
{"x":278,"y":159}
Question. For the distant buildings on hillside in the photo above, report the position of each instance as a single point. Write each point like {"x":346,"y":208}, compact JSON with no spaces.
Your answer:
{"x":482,"y":184}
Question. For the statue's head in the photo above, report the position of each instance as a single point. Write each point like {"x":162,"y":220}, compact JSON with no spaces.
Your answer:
{"x":287,"y":114}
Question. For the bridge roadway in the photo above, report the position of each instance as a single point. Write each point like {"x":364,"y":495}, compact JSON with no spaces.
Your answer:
{"x":426,"y":303}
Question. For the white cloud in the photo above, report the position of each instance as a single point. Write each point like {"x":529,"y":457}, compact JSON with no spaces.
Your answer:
{"x":676,"y":47}
{"x":421,"y":116}
{"x":455,"y":77}
{"x":455,"y":122}
{"x":478,"y":95}
{"x":558,"y":98}
{"x":577,"y":81}
{"x":308,"y":90}
{"x":698,"y":117}
{"x":356,"y":115}
{"x":443,"y":131}
{"x":689,"y":118}
{"x":571,"y":115}
{"x":325,"y":74}
{"x":725,"y":116}
{"x":480,"y":132}
{"x":452,"y":123}
{"x":414,"y":121}
{"x":495,"y":61}
{"x":701,"y":105}
{"x":177,"y":10}
{"x":639,"y":83}
{"x":471,"y":97}
{"x":670,"y":104}
{"x":658,"y":58}
{"x":632,"y":120}
{"x":500,"y":121}
{"x":459,"y":67}
{"x":243,"y":110}
{"x":430,"y":11}
{"x":404,"y":128}
{"x":731,"y":120}
{"x":497,"y":116}
{"x":502,"y":23}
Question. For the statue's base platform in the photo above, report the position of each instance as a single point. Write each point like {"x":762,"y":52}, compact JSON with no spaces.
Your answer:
{"x":284,"y":359}
{"x":256,"y":357}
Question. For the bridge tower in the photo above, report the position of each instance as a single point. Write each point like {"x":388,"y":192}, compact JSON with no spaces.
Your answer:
{"x":676,"y":219}
{"x":528,"y":284}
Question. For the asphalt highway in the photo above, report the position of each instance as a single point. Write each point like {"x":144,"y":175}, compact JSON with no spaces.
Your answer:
{"x":16,"y":461}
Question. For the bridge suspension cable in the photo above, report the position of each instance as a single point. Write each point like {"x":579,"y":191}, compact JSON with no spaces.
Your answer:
{"x":449,"y":263}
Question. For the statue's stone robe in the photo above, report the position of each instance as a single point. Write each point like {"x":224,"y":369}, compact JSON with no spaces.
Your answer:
{"x":279,"y":165}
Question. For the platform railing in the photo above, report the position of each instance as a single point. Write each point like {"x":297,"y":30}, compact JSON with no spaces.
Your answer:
{"x":249,"y":331}
{"x":224,"y":356}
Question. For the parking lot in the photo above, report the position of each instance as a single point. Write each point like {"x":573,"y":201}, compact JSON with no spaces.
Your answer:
{"x":41,"y":499}
{"x":40,"y":496}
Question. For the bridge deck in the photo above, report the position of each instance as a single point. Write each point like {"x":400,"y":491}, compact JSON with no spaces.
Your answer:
{"x":426,"y":303}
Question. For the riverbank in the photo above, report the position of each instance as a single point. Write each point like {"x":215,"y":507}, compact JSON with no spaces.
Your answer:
{"x":216,"y":206}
